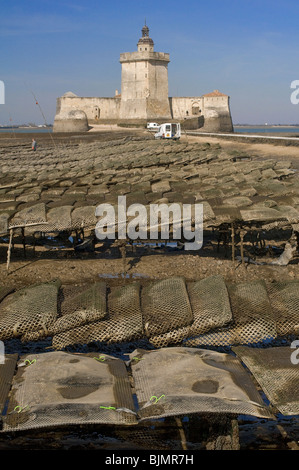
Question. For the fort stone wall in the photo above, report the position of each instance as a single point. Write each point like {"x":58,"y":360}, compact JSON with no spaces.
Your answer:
{"x":185,"y":107}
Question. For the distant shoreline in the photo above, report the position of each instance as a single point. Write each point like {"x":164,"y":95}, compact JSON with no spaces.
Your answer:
{"x":290,"y":130}
{"x":25,"y":130}
{"x":266,"y":125}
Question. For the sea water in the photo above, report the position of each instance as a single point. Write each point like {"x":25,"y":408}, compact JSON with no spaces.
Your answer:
{"x":267,"y":129}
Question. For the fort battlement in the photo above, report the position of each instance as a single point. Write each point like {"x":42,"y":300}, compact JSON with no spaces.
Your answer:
{"x":141,"y":56}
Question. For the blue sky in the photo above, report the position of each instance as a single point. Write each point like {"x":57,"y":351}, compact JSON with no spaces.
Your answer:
{"x":247,"y":49}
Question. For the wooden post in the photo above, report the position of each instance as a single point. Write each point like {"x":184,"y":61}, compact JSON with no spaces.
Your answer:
{"x":233,"y":243}
{"x":182,"y":433}
{"x":34,"y":243}
{"x":9,"y":248}
{"x":23,"y":241}
{"x":293,"y":445}
{"x":227,"y":437}
{"x":242,"y":233}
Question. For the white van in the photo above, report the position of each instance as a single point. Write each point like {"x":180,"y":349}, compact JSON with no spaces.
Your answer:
{"x":153,"y":126}
{"x":169,"y":131}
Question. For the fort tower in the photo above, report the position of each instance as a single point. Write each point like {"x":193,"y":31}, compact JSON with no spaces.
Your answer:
{"x":144,"y":82}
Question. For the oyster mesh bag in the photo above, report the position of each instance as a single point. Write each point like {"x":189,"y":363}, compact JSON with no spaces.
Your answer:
{"x":29,"y":309}
{"x":78,"y":305}
{"x":4,"y":291}
{"x":58,"y":388}
{"x":210,"y":304}
{"x":253,"y":319}
{"x":276,"y":373}
{"x":210,"y":307}
{"x":165,"y":306}
{"x":284,"y":298}
{"x":178,"y":381}
{"x":124,"y":321}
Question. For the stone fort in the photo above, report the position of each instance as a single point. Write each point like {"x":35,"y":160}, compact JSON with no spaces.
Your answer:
{"x":144,"y":97}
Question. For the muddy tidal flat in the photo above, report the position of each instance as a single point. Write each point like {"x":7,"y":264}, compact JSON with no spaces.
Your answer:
{"x":48,"y":200}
